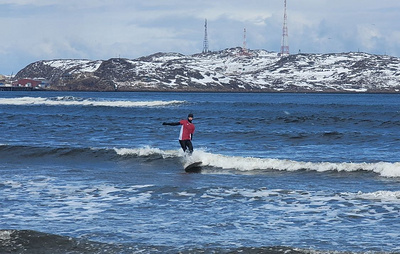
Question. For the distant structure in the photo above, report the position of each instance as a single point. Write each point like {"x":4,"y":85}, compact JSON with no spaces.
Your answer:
{"x":285,"y":36}
{"x":244,"y":49}
{"x":205,"y":42}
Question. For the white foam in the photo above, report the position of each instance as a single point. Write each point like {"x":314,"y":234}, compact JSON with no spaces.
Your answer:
{"x":142,"y":186}
{"x":385,"y":169}
{"x":126,"y":209}
{"x":77,"y":201}
{"x":12,"y":184}
{"x":5,"y":235}
{"x":381,"y":195}
{"x":140,"y":198}
{"x":146,"y":151}
{"x":73,"y":101}
{"x":185,"y":194}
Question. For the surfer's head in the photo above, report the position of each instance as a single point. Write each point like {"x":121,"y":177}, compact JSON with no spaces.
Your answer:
{"x":190,"y":117}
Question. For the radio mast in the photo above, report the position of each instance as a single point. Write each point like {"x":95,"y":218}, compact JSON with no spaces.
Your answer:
{"x":285,"y":36}
{"x":205,"y":42}
{"x":244,"y":49}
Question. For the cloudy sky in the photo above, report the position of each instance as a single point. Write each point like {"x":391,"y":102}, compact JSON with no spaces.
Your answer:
{"x":33,"y":30}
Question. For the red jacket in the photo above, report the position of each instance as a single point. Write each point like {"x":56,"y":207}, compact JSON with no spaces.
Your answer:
{"x":187,"y":130}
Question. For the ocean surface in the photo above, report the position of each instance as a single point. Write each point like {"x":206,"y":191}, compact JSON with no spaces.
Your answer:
{"x":290,"y":173}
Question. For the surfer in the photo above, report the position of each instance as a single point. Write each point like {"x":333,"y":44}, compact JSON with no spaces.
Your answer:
{"x":186,"y":134}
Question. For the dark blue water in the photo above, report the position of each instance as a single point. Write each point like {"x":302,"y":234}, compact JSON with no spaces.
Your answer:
{"x":308,"y":171}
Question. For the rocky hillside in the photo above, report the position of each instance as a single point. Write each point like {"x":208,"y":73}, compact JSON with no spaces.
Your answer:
{"x":226,"y":70}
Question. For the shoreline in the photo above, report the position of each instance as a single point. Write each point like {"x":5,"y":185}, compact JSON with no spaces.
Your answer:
{"x":31,"y":89}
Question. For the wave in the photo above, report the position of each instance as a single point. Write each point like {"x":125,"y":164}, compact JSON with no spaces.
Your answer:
{"x":77,"y":101}
{"x":384,"y":169}
{"x":251,"y":164}
{"x":30,"y":241}
{"x":147,"y":151}
{"x":211,"y":162}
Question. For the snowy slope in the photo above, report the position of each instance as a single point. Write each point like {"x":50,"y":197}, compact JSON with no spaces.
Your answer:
{"x":226,"y":70}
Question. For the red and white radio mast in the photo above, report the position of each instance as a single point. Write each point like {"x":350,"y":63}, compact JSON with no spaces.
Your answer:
{"x":285,"y":36}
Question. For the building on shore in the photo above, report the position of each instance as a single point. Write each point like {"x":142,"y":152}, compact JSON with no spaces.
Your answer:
{"x":38,"y":83}
{"x":2,"y":80}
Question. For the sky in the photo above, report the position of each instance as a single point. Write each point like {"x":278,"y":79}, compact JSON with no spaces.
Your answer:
{"x":34,"y":30}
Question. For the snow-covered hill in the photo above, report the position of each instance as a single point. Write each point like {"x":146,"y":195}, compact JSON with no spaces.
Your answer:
{"x":226,"y":70}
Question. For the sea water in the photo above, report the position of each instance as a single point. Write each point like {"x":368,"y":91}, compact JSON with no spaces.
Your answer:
{"x":281,"y":172}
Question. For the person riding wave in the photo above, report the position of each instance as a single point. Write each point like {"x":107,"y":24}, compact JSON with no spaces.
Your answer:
{"x":186,"y":133}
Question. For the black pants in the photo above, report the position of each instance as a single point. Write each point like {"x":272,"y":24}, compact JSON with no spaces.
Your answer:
{"x":185,"y":144}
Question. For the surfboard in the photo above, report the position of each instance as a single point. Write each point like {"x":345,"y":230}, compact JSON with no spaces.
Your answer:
{"x":193,"y":167}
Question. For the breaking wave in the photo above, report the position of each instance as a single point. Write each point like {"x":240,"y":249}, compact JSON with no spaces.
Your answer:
{"x":385,"y":169}
{"x":77,"y":101}
{"x":213,"y":163}
{"x":248,"y":164}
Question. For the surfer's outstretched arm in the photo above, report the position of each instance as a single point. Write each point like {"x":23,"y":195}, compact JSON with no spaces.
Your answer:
{"x":173,"y":124}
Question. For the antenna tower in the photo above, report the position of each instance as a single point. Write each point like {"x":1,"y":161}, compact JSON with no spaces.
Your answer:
{"x":285,"y":36}
{"x":205,"y":42}
{"x":244,"y":49}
